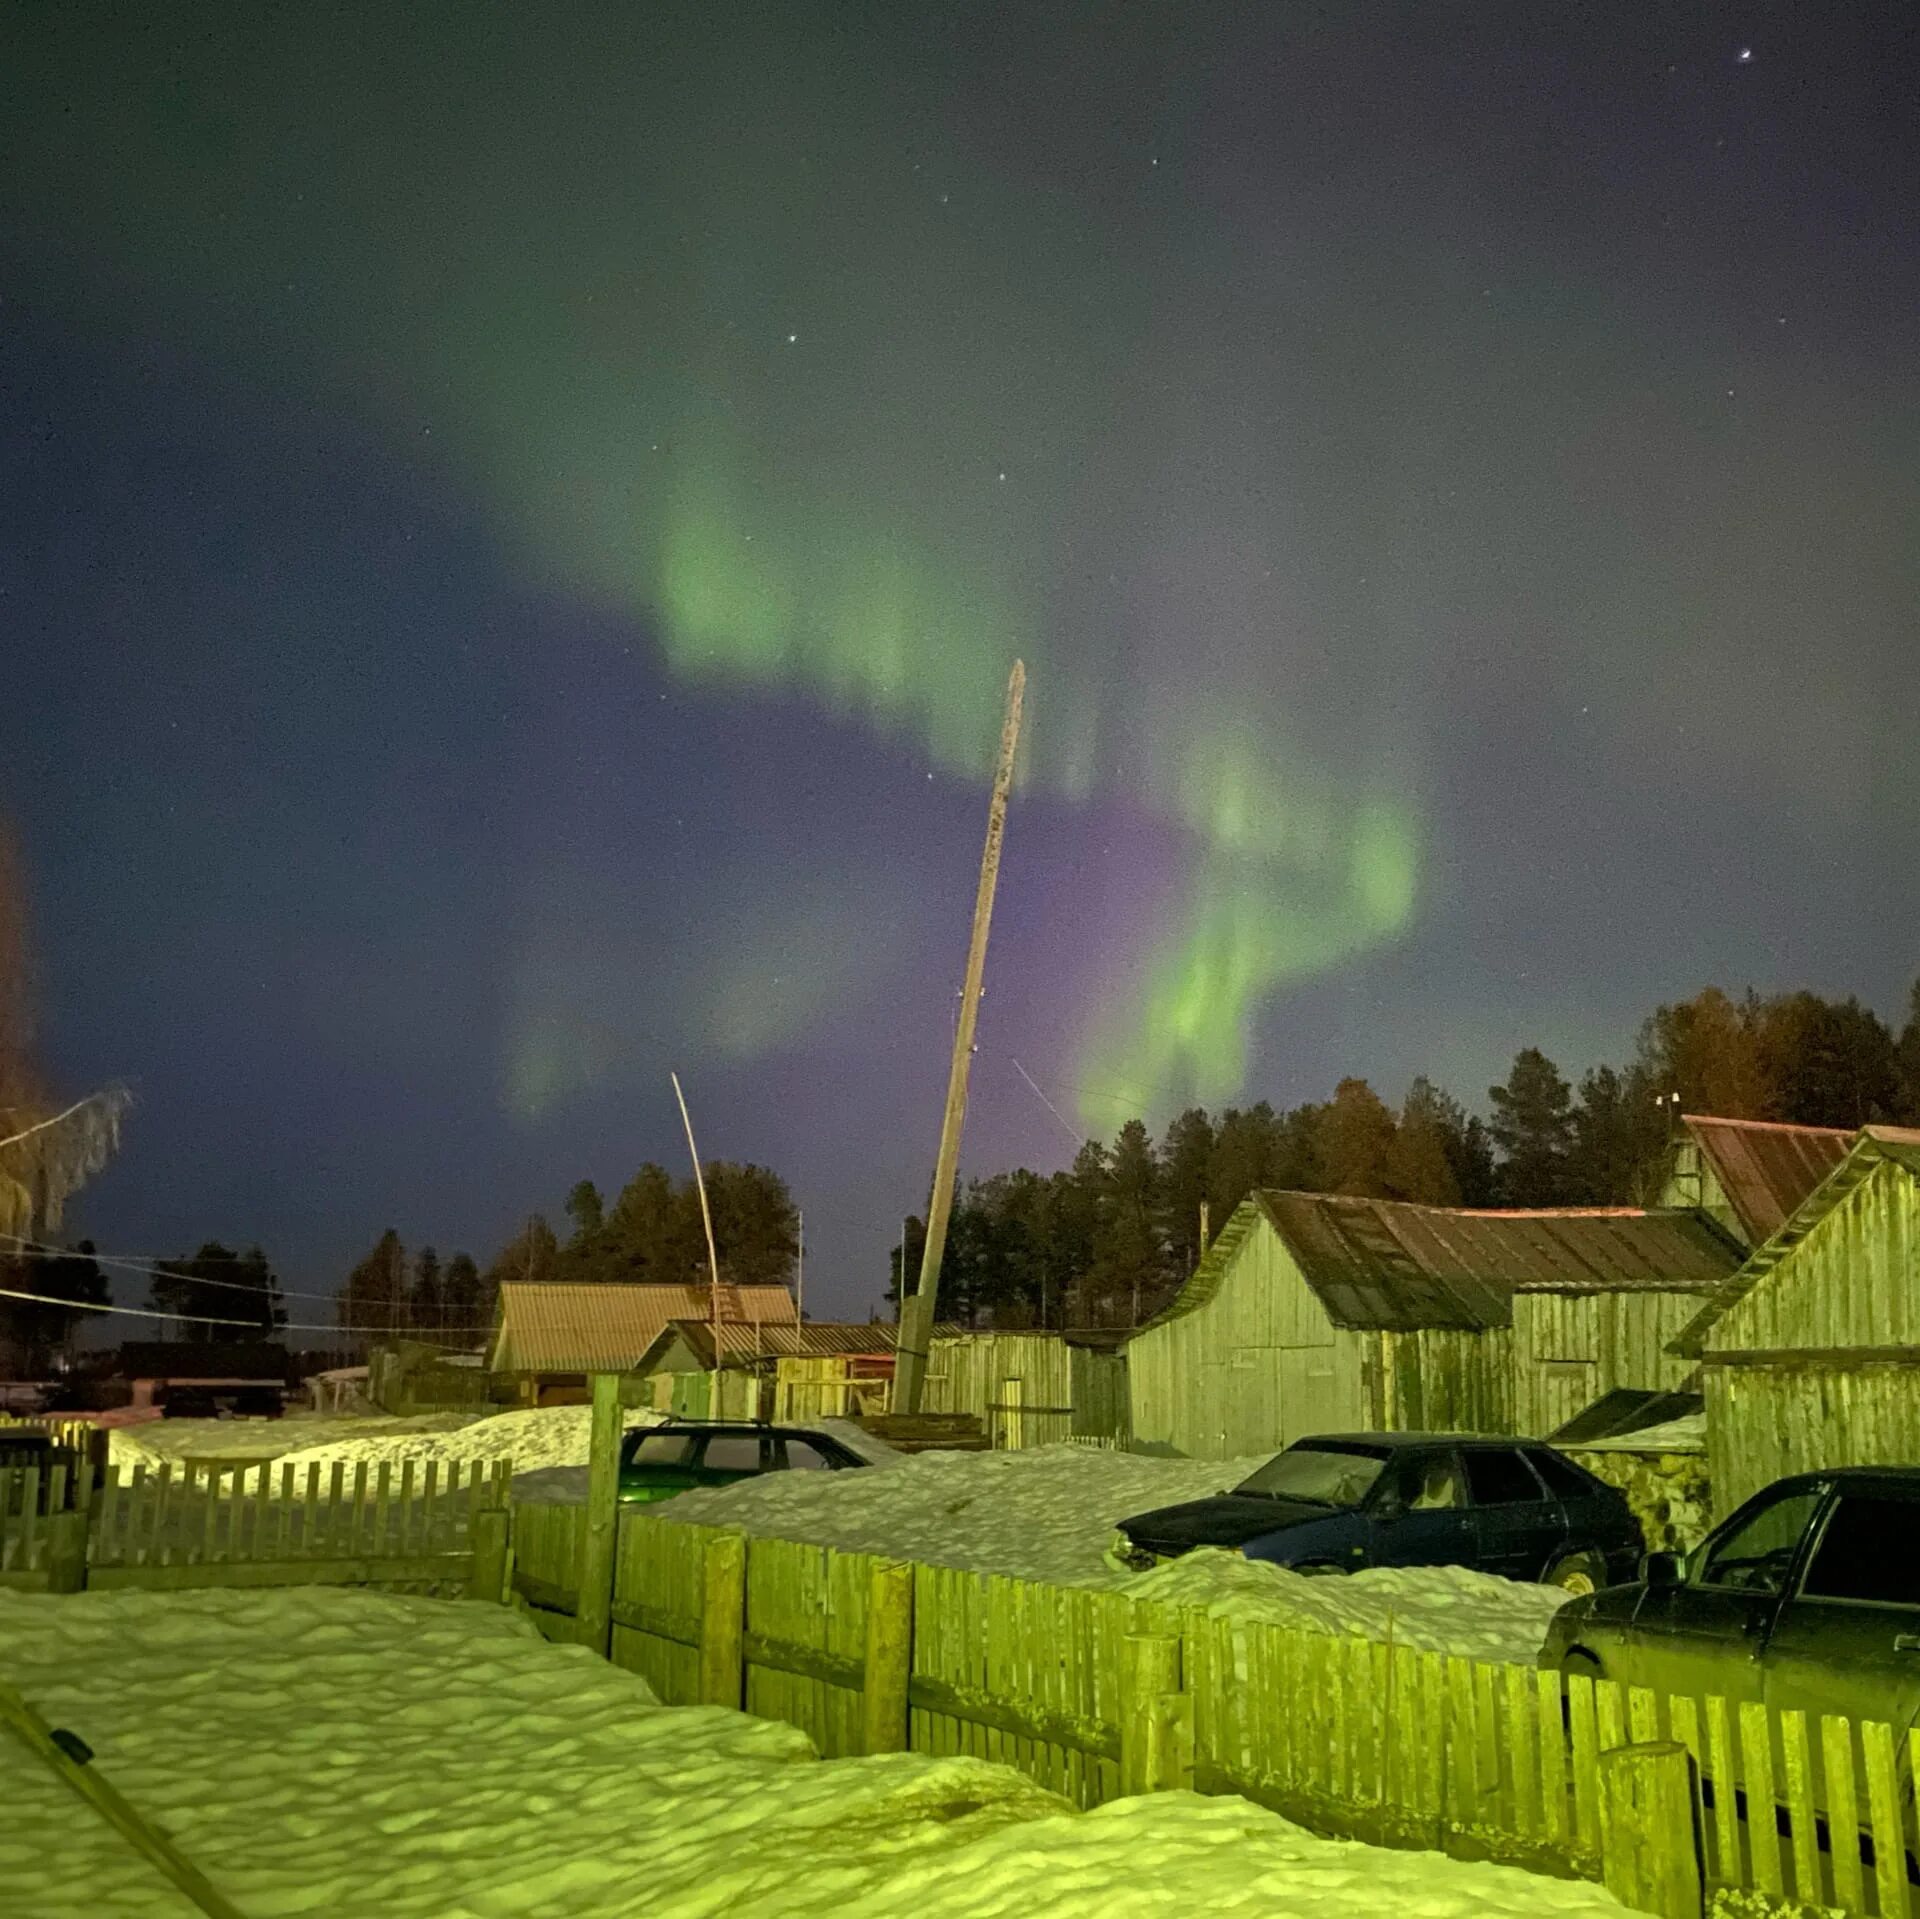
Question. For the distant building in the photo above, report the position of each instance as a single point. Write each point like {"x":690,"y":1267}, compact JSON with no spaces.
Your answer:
{"x":549,"y":1335}
{"x":761,"y":1361}
{"x":1810,"y":1352}
{"x":1747,"y":1175}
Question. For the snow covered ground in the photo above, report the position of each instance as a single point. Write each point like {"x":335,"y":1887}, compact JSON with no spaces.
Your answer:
{"x":319,"y":1751}
{"x":159,"y":1442}
{"x":1047,"y":1512}
{"x":1431,"y":1608}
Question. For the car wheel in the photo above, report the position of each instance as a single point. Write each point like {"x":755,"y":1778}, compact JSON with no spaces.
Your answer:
{"x":1577,"y":1573}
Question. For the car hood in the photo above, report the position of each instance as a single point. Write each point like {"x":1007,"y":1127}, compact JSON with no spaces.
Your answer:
{"x":1227,"y":1519}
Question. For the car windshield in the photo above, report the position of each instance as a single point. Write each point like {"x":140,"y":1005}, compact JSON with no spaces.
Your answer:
{"x":1322,"y":1478}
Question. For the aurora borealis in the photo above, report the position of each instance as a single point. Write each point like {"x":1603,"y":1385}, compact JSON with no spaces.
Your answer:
{"x":578,"y":475}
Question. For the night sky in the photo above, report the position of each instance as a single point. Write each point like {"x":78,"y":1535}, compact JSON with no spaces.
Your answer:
{"x":514,"y":522}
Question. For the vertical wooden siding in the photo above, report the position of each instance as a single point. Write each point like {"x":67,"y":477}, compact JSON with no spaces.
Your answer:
{"x":1250,"y":1371}
{"x":1442,"y":1381}
{"x":1850,"y":1282}
{"x":1764,"y":1422}
{"x":970,"y":1375}
{"x":1568,"y":1349}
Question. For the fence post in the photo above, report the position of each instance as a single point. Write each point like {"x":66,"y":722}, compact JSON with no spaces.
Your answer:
{"x":487,"y":1535}
{"x":67,"y":1552}
{"x":593,"y":1619}
{"x":889,"y":1663}
{"x":1649,"y":1832}
{"x":1156,"y":1716}
{"x":723,"y":1624}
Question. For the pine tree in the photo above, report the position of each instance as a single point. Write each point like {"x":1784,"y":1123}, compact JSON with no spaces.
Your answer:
{"x":1186,"y":1171}
{"x":1908,"y":1060}
{"x":373,"y":1303}
{"x":1420,"y":1164}
{"x":427,"y":1302}
{"x":1618,"y":1139}
{"x":1532,"y":1126}
{"x":1353,"y":1139}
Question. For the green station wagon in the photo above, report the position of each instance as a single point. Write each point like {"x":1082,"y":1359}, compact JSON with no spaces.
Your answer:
{"x":658,"y":1461}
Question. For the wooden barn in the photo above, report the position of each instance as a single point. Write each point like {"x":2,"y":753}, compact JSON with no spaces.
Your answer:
{"x":1598,"y":1298}
{"x":763,"y":1366}
{"x":1318,"y":1313}
{"x":1031,"y":1388}
{"x":549,"y":1335}
{"x":1747,"y":1175}
{"x":1810,"y":1352}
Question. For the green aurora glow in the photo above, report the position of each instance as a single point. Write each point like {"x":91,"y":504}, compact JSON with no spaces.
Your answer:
{"x":936,"y":472}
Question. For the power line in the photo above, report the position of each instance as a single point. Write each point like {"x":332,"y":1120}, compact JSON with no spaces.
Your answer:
{"x":1071,"y":1132}
{"x":140,"y":1263}
{"x":131,"y":1312}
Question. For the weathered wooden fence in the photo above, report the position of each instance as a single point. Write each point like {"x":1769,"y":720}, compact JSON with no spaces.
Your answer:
{"x":260,"y":1524}
{"x":1096,"y":1694}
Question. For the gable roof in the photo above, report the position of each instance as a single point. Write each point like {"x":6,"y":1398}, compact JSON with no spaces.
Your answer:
{"x":1764,"y":1167}
{"x":779,"y":1339}
{"x":600,"y":1326}
{"x":1873,"y":1146}
{"x":1392,"y":1266}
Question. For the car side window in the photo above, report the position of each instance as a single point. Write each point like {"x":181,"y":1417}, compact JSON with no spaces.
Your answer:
{"x":662,"y":1449}
{"x":1497,"y":1477}
{"x":1755,"y":1554}
{"x":1868,"y":1552}
{"x":732,"y":1453}
{"x":1564,"y":1479}
{"x":802,"y":1457}
{"x":1431,"y":1483}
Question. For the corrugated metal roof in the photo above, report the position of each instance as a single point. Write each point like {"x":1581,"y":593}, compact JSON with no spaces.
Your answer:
{"x":567,"y":1326}
{"x":1766,"y":1168}
{"x":775,"y":1339}
{"x":1388,"y":1265}
{"x":1872,"y":1146}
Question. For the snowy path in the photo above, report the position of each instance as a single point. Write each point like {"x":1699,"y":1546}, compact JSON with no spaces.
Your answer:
{"x":342,"y":1753}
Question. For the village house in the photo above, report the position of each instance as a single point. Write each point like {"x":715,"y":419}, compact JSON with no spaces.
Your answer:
{"x":1810,"y":1352}
{"x":769,"y":1369}
{"x":1321,"y":1313}
{"x":550,"y":1335}
{"x":1031,"y":1388}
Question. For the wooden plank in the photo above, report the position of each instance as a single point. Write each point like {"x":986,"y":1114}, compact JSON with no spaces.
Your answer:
{"x":1522,"y":1725}
{"x":1586,"y":1768}
{"x":723,"y":1620}
{"x":107,"y":1516}
{"x":889,"y":1658}
{"x":1723,"y":1768}
{"x":263,"y":1510}
{"x":429,"y":1512}
{"x":1883,"y":1806}
{"x":308,"y":1541}
{"x":1756,"y":1775}
{"x":1844,"y":1824}
{"x":1650,"y":1860}
{"x":408,"y":1530}
{"x":1797,"y":1795}
{"x":336,"y":1490}
{"x":1550,"y":1724}
{"x":594,"y":1578}
{"x":321,"y":1570}
{"x":30,"y":1545}
{"x":382,"y":1505}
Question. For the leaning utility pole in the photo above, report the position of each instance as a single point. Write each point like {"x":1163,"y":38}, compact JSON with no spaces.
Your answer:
{"x":916,"y":1311}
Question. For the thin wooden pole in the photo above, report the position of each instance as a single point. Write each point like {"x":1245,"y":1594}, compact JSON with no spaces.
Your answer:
{"x":594,"y":1607}
{"x":713,"y":1257}
{"x":800,"y":1272}
{"x":916,"y":1313}
{"x":70,"y":1756}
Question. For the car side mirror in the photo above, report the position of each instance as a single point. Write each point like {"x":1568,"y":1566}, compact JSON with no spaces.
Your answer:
{"x":1663,"y":1569}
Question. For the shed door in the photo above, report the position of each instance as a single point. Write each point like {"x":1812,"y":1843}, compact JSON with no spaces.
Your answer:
{"x":1562,"y":1388}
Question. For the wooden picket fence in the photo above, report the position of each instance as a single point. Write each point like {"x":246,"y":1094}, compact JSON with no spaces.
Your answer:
{"x":256,"y":1524}
{"x":1095,"y":1694}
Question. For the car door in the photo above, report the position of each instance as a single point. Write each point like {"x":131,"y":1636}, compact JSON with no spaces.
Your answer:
{"x":1417,"y":1513}
{"x":658,"y":1465}
{"x":725,"y":1457}
{"x":1847,"y":1638}
{"x":1706,"y":1635}
{"x":802,"y":1452}
{"x":1518,"y":1523}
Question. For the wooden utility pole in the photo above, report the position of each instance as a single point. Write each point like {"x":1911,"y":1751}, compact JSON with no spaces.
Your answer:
{"x":713,"y":1257}
{"x":916,"y":1312}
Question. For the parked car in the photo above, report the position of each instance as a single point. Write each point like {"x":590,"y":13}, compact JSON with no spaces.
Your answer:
{"x":658,"y":1461}
{"x":1340,"y":1501}
{"x":1807,"y":1597}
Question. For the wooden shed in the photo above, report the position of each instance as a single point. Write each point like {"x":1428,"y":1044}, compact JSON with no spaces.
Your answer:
{"x":549,"y":1335}
{"x":1031,"y":1388}
{"x":1313,"y":1313}
{"x":1747,"y":1175}
{"x":1810,"y":1352}
{"x":1598,"y":1297}
{"x":761,"y":1364}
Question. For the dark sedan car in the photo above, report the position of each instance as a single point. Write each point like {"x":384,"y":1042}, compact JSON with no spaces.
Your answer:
{"x":658,"y":1461}
{"x":1341,"y":1501}
{"x":1807,"y":1597}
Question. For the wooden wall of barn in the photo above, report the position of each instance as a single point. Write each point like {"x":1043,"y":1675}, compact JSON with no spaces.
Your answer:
{"x":970,"y":1375}
{"x":1764,"y":1422}
{"x":1569,"y":1348}
{"x":1850,"y":1282}
{"x":1439,"y":1381}
{"x":1249,"y":1371}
